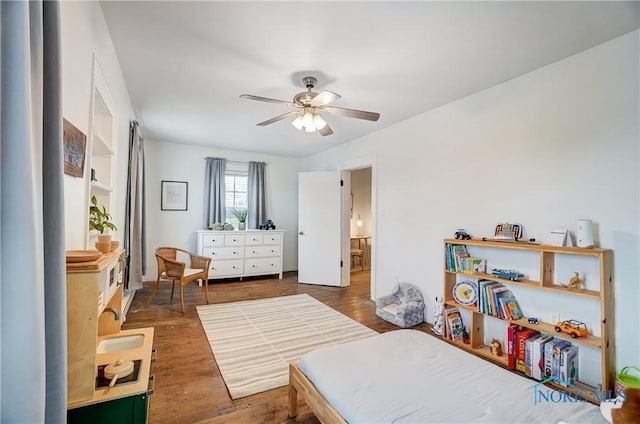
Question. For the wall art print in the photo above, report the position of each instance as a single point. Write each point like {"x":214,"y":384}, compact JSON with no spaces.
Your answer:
{"x":75,"y":144}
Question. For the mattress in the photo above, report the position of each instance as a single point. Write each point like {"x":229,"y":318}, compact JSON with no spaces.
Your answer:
{"x":407,"y":376}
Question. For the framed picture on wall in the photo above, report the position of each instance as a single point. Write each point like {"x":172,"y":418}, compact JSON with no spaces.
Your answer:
{"x":75,"y":143}
{"x":174,"y":195}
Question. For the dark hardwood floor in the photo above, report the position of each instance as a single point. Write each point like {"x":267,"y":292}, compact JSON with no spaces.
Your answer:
{"x":188,"y":384}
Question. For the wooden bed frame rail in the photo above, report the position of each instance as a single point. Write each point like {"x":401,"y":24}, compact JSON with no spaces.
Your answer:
{"x":299,"y":383}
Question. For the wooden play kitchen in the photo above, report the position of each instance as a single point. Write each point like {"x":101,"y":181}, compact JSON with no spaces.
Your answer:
{"x":108,"y":369}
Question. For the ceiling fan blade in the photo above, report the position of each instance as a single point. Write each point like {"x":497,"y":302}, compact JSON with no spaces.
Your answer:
{"x":278,"y":118}
{"x":324,"y":98}
{"x":326,"y":130}
{"x":266,"y":99}
{"x":352,"y":113}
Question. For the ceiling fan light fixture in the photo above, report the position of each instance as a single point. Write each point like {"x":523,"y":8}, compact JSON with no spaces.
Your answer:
{"x":298,"y":122}
{"x":307,"y":121}
{"x":308,"y":104}
{"x":319,"y":122}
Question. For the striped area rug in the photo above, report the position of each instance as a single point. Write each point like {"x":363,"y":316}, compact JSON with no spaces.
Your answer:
{"x":254,"y":341}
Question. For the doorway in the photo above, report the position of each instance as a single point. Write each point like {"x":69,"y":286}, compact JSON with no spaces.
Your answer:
{"x":361,"y":229}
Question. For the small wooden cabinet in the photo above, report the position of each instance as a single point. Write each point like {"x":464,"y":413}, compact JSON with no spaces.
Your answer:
{"x":91,"y":287}
{"x":242,"y":253}
{"x":544,"y":282}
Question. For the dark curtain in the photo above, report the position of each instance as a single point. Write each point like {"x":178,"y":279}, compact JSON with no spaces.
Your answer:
{"x":214,"y":196}
{"x":256,"y":194}
{"x":33,"y":338}
{"x":134,"y":228}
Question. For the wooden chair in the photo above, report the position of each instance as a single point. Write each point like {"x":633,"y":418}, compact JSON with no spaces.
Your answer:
{"x":169,"y":268}
{"x":357,"y":254}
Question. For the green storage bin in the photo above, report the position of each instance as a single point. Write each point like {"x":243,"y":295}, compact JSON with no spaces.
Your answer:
{"x":624,"y":379}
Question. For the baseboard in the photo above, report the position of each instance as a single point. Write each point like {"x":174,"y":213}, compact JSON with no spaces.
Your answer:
{"x":127,"y":298}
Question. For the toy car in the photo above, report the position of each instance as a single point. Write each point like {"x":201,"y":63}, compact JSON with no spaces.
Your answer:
{"x":572,"y":327}
{"x":461,"y":234}
{"x":532,"y":320}
{"x":507,"y":274}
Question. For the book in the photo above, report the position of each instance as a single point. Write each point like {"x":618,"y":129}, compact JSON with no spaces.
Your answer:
{"x":511,"y":340}
{"x":473,"y":265}
{"x":520,"y":347}
{"x":549,"y":348}
{"x":502,"y":308}
{"x":484,"y":287}
{"x":568,"y":368}
{"x":537,"y":356}
{"x":555,"y":358}
{"x":455,"y":326}
{"x":528,"y":353}
{"x":510,"y":307}
{"x":493,"y":299}
{"x":458,"y":251}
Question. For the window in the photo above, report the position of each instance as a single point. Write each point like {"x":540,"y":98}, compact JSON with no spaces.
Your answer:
{"x":236,"y":192}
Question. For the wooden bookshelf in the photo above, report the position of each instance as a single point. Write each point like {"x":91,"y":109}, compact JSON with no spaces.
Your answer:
{"x":546,"y":256}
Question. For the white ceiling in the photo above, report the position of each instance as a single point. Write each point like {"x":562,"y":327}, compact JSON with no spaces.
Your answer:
{"x":186,"y":63}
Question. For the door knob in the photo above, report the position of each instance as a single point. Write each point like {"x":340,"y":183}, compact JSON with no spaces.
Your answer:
{"x":301,"y":233}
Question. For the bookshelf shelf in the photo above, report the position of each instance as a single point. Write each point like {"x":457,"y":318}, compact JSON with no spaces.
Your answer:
{"x":547,"y":288}
{"x":590,"y":341}
{"x":594,"y":294}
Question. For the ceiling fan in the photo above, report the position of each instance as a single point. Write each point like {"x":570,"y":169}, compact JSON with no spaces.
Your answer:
{"x":309,"y":105}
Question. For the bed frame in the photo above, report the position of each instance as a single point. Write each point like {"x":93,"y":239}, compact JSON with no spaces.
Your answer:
{"x":299,"y":383}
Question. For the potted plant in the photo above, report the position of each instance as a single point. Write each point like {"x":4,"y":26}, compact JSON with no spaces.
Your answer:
{"x":100,"y":221}
{"x":241,"y":215}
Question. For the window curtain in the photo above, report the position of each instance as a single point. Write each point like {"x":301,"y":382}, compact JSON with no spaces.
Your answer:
{"x":134,"y":228}
{"x":256,"y":195}
{"x":33,"y":339}
{"x":214,"y":197}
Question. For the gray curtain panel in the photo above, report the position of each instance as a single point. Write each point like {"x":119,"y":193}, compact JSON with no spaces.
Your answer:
{"x":134,"y":227}
{"x":214,"y":196}
{"x":33,"y":339}
{"x":256,"y":194}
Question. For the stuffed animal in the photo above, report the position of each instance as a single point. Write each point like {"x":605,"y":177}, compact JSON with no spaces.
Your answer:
{"x":496,"y":347}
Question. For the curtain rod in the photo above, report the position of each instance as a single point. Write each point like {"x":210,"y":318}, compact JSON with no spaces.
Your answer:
{"x":236,"y":162}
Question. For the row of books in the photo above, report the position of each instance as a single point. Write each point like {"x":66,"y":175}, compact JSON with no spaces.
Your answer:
{"x":496,"y":299}
{"x":459,"y":260}
{"x":541,"y":355}
{"x":455,"y":327}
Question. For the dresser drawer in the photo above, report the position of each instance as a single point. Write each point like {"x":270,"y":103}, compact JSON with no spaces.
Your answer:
{"x":262,"y":266}
{"x":228,"y":267}
{"x":212,"y":240}
{"x":234,"y":240}
{"x":261,"y":251}
{"x":216,"y":253}
{"x":253,"y":239}
{"x":275,"y":238}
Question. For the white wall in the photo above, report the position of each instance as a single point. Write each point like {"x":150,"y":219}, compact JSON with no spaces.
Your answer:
{"x":543,"y":150}
{"x":179,"y":162}
{"x":84,"y":33}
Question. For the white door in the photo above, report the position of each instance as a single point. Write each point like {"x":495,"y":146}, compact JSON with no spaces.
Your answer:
{"x":323,"y":228}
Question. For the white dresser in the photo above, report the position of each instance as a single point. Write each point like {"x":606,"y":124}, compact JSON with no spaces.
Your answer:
{"x":241,"y":253}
